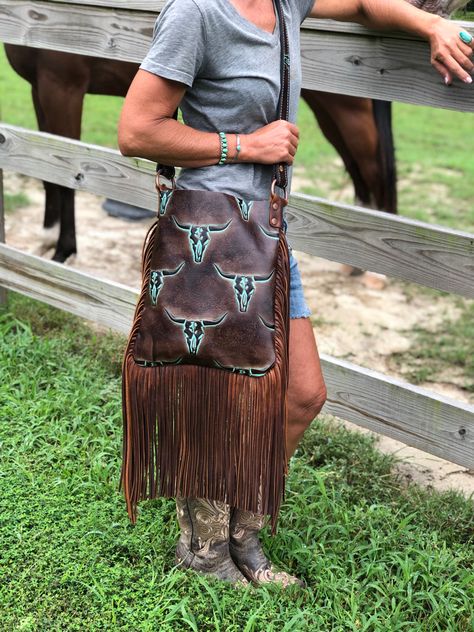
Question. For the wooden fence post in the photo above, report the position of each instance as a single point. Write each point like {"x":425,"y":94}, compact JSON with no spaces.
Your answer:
{"x":3,"y":292}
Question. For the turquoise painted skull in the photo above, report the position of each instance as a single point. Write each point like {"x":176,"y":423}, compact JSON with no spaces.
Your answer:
{"x":157,"y":278}
{"x":244,"y":286}
{"x":200,"y":236}
{"x":194,"y":330}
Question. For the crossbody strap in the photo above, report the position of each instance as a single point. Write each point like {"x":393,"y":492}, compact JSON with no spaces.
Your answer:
{"x":280,"y":171}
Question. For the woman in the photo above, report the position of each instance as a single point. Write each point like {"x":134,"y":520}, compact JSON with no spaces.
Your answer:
{"x":219,"y":60}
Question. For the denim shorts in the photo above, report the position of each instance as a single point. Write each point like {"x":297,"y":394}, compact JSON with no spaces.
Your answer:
{"x":299,"y":308}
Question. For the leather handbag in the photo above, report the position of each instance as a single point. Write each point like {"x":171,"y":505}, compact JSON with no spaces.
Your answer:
{"x":205,"y":370}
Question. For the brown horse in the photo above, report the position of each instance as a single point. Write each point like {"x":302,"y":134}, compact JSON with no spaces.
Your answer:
{"x":360,"y":129}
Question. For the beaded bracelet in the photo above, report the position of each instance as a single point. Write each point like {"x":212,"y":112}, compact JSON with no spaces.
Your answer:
{"x":224,"y":148}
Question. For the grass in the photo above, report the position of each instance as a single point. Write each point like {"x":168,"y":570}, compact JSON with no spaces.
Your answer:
{"x":15,"y":200}
{"x":376,"y":555}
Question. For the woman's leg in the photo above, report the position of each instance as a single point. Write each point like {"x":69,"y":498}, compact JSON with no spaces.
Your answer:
{"x":306,"y":388}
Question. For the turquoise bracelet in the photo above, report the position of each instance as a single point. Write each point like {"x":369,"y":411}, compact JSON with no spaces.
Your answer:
{"x":224,"y":148}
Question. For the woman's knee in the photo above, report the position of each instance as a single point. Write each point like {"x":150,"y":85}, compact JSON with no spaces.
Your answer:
{"x":303,"y":407}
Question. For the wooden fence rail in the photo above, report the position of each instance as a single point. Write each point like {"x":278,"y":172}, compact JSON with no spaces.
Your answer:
{"x":335,"y":57}
{"x":434,"y":256}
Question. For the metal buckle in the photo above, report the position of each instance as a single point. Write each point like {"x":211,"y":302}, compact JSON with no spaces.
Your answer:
{"x":272,"y":191}
{"x":164,"y":187}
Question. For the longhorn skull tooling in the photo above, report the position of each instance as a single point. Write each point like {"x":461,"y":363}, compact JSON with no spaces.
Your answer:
{"x":157,"y":280}
{"x":268,"y":234}
{"x":194,"y":329}
{"x":164,"y":199}
{"x":244,"y":286}
{"x":245,"y":208}
{"x":200,"y":236}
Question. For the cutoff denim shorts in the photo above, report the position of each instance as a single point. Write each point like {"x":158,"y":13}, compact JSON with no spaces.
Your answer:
{"x":299,"y":308}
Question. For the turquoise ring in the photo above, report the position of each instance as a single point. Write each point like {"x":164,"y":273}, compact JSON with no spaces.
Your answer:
{"x":465,"y":36}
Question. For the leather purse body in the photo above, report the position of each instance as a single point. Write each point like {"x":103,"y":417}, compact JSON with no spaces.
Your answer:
{"x":205,"y":371}
{"x":211,"y":283}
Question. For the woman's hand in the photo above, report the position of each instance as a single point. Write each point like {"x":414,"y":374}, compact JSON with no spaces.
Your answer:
{"x":273,"y":143}
{"x":449,"y":54}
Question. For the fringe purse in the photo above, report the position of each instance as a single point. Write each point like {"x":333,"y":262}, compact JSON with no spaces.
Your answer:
{"x":205,"y":370}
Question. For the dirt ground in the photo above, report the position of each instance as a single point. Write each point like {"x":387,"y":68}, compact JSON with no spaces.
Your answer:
{"x":361,"y":324}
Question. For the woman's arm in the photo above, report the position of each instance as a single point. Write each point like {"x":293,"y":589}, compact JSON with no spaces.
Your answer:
{"x":147,"y":129}
{"x":449,"y":55}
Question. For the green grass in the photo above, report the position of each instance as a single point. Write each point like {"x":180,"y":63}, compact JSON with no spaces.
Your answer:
{"x":15,"y":200}
{"x":377,"y":556}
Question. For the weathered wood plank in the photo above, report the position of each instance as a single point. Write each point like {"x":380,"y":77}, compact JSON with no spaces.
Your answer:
{"x":153,"y":6}
{"x":434,"y":256}
{"x":430,"y":255}
{"x":379,"y":67}
{"x":104,"y":302}
{"x":78,"y":165}
{"x":102,"y":32}
{"x":389,"y":406}
{"x":348,"y":59}
{"x":433,"y":423}
{"x":3,"y":292}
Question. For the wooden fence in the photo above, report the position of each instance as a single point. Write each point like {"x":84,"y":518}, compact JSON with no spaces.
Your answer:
{"x":336,"y":58}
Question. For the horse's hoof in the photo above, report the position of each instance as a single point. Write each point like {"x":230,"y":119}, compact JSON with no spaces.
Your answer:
{"x":373,"y":280}
{"x":348,"y":270}
{"x":61,"y":257}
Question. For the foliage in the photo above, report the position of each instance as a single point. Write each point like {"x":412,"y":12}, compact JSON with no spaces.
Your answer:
{"x":15,"y":200}
{"x":376,"y":555}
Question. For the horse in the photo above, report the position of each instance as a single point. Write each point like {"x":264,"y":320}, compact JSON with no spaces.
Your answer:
{"x":360,"y":129}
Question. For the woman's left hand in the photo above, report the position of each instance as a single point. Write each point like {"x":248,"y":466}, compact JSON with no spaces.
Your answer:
{"x":449,"y":54}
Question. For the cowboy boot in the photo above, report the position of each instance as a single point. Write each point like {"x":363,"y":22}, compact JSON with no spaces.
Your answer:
{"x":204,"y":541}
{"x":247,"y":553}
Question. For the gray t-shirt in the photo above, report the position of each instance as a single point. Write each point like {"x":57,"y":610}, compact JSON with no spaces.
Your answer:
{"x":232,"y":70}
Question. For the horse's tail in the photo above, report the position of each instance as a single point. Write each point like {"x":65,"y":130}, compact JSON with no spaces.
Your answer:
{"x":386,"y":153}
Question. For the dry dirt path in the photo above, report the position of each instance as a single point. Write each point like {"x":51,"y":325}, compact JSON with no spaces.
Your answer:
{"x":363,"y":325}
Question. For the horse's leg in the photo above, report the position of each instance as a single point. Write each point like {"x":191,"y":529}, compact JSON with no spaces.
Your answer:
{"x":320,"y":104}
{"x":374,"y":154}
{"x":360,"y":130}
{"x":52,"y":191}
{"x":348,"y":123}
{"x":61,"y":102}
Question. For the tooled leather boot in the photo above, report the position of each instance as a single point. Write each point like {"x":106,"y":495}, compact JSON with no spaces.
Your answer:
{"x":246,"y":550}
{"x":204,"y":541}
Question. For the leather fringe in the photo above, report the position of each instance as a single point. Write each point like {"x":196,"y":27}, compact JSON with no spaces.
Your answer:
{"x":201,"y":432}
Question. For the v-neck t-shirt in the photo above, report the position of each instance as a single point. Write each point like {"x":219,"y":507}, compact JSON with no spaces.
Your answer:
{"x":231,"y":68}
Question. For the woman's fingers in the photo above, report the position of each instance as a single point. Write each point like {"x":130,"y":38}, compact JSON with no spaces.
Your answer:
{"x":463,"y":59}
{"x":449,"y":54}
{"x":272,"y":143}
{"x":443,"y":71}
